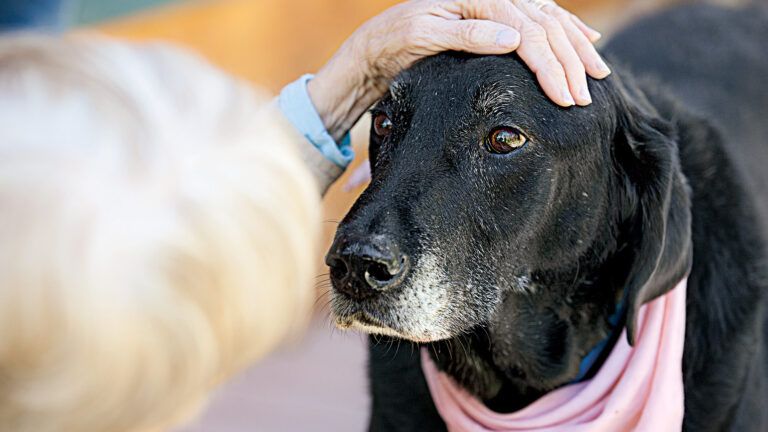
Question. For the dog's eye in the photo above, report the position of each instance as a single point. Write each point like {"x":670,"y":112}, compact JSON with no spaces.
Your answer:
{"x":382,"y":125}
{"x":506,"y":139}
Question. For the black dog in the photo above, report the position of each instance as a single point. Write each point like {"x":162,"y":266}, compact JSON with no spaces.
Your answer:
{"x":502,"y":231}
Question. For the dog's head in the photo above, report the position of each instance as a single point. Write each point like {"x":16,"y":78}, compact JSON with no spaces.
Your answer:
{"x":490,"y":207}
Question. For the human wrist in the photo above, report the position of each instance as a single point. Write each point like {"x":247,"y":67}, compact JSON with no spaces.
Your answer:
{"x":342,"y":91}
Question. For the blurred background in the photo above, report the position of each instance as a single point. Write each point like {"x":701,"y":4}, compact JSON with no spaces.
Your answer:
{"x":316,"y":383}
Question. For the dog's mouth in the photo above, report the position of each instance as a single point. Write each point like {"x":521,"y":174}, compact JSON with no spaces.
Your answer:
{"x":365,"y":322}
{"x":368,"y":323}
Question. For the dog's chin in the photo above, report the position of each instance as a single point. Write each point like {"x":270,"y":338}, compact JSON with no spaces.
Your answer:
{"x":363,"y":322}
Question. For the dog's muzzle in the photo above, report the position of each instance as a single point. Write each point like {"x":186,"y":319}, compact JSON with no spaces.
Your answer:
{"x":363,"y":267}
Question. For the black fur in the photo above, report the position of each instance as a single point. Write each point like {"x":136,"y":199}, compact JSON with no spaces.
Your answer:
{"x":663,"y":175}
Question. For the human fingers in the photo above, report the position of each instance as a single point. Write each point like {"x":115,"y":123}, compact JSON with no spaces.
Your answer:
{"x":475,"y":36}
{"x":591,"y":34}
{"x":534,"y":49}
{"x":561,"y":46}
{"x":592,"y":61}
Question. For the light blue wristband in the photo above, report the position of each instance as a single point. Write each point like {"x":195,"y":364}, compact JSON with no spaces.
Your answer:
{"x":296,"y":105}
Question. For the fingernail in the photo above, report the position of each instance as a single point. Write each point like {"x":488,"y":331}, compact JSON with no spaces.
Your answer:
{"x":507,"y":38}
{"x":585,"y":97}
{"x":602,"y":67}
{"x":568,"y":98}
{"x":596,"y":35}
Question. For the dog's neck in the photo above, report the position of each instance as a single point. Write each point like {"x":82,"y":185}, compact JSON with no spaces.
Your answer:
{"x":470,"y":358}
{"x":476,"y":360}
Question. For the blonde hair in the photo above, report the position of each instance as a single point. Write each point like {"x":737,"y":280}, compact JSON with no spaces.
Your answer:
{"x":157,"y":233}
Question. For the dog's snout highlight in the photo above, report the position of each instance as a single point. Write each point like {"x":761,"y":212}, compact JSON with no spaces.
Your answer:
{"x":362,"y":267}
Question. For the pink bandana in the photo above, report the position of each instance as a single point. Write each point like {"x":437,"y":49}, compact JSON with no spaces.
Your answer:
{"x":636,"y":389}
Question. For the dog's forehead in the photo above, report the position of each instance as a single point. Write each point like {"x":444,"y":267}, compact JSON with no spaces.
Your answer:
{"x":460,"y":77}
{"x":458,"y":93}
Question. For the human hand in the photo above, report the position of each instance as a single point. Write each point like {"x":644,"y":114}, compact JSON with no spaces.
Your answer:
{"x":555,"y":44}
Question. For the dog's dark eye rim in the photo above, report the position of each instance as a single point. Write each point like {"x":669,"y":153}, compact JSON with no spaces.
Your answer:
{"x":505,"y":139}
{"x":382,"y":123}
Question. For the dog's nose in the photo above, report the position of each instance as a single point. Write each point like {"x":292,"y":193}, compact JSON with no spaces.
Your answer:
{"x":363,"y":267}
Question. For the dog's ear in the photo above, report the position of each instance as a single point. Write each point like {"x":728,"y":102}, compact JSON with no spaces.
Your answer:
{"x":655,"y":205}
